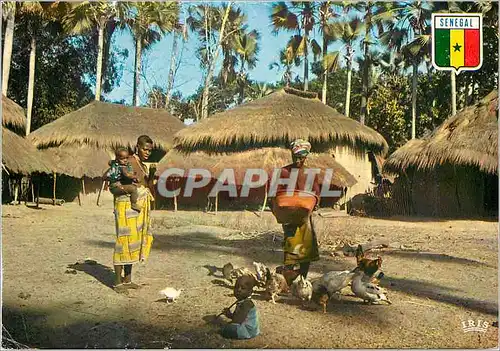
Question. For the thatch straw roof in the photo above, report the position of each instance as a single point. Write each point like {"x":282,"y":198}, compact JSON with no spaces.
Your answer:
{"x":276,"y":120}
{"x":265,"y":158}
{"x":79,"y":161}
{"x":468,"y":138}
{"x":12,"y":115}
{"x":104,"y":125}
{"x":21,"y":157}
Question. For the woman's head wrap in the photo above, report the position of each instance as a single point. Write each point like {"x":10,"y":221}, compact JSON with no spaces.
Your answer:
{"x":300,"y":147}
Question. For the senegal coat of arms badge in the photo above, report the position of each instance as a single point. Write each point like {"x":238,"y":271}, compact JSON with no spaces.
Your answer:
{"x":457,"y":41}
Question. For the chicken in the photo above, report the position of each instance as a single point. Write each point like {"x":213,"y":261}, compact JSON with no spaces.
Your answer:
{"x":333,"y":282}
{"x":170,"y":294}
{"x":367,"y":265}
{"x":227,"y":270}
{"x":302,"y":288}
{"x":367,"y":291}
{"x":321,"y":297}
{"x":275,"y":284}
{"x":260,"y":273}
{"x":289,"y":274}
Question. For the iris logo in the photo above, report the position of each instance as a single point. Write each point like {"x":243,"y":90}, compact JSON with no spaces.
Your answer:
{"x":474,"y":326}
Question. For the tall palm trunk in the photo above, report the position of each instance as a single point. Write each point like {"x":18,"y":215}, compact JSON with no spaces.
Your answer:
{"x":8,"y":41}
{"x":414,"y":99}
{"x":31,"y":84}
{"x":364,"y":95}
{"x":325,"y":72}
{"x":306,"y":63}
{"x":242,"y":83}
{"x":170,"y":84}
{"x":137,"y":71}
{"x":453,"y":93}
{"x":211,"y":67}
{"x":349,"y":77}
{"x":100,"y":55}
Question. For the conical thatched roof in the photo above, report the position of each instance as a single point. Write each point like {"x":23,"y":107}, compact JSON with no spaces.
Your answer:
{"x":22,"y":157}
{"x":468,"y":138}
{"x":104,"y":125}
{"x":12,"y":115}
{"x":266,"y":158}
{"x":79,"y":161}
{"x":276,"y":120}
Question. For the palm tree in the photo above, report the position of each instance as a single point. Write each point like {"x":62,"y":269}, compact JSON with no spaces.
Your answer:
{"x":410,"y":35}
{"x":286,"y":62}
{"x":347,"y":32}
{"x":148,"y":22}
{"x":211,"y":63}
{"x":180,"y":31}
{"x":298,"y":17}
{"x":39,"y":16}
{"x":374,"y":16}
{"x":246,"y":47}
{"x":9,"y":15}
{"x":86,"y":16}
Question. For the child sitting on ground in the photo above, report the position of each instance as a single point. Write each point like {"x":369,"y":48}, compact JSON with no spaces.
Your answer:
{"x":121,"y":177}
{"x":245,"y":318}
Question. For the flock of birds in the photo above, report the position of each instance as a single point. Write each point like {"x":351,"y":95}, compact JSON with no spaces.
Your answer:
{"x":362,"y":279}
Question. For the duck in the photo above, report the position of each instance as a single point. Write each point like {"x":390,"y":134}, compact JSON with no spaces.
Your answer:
{"x":366,"y":290}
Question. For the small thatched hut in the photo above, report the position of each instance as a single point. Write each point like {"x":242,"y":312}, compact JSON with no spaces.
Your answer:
{"x":82,"y":141}
{"x":278,"y":119}
{"x":453,"y":171}
{"x":268,"y":159}
{"x":19,"y":156}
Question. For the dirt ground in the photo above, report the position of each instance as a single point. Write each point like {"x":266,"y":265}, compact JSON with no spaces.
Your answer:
{"x":445,"y":273}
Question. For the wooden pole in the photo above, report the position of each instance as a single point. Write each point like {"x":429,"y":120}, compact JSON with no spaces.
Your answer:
{"x":54,"y":189}
{"x":175,"y":203}
{"x":38,"y":191}
{"x":100,"y":191}
{"x":265,"y":201}
{"x":83,"y":186}
{"x":216,"y":202}
{"x":32,"y":187}
{"x":16,"y":190}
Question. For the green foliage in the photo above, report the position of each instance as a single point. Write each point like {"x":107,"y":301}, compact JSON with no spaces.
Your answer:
{"x":65,"y":71}
{"x":389,"y":114}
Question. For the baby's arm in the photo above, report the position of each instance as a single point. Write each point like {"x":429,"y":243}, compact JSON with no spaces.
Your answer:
{"x":126,"y":173}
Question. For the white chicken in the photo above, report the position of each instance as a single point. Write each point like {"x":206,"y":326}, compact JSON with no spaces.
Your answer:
{"x":170,"y":294}
{"x":302,"y":288}
{"x":260,"y":273}
{"x":367,"y":291}
{"x":334,"y":281}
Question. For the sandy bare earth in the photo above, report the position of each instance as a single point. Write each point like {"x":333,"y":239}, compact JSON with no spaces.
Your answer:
{"x":445,"y":273}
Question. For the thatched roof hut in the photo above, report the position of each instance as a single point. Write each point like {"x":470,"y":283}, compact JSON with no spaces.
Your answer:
{"x":79,"y":161}
{"x":21,"y":157}
{"x":12,"y":115}
{"x":104,"y":125}
{"x":276,"y":120}
{"x":266,"y":158}
{"x":470,"y":138}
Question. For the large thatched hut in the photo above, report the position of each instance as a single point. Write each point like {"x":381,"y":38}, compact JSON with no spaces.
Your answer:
{"x":19,"y":156}
{"x":276,"y":120}
{"x":454,"y":170}
{"x":83,"y":141}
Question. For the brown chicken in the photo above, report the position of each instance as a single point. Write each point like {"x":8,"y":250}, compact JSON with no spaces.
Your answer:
{"x":321,"y":297}
{"x":275,"y":284}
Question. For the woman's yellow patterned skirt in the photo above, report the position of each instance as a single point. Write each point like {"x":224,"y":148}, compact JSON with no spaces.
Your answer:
{"x":133,"y":240}
{"x":300,"y":244}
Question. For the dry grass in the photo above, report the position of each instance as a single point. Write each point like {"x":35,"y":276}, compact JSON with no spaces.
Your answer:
{"x":20,"y":156}
{"x":105,"y":125}
{"x":267,"y":159}
{"x":275,"y":120}
{"x":13,"y":115}
{"x":469,"y":138}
